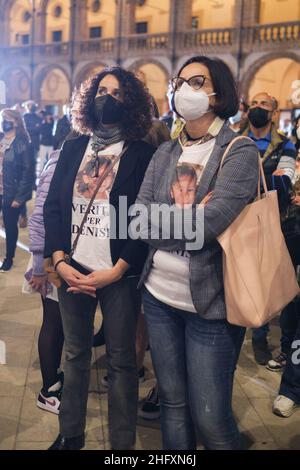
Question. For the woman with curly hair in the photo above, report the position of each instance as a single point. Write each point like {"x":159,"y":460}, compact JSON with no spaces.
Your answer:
{"x":111,"y":113}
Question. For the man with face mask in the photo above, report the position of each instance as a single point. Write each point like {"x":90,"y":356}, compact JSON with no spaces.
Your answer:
{"x":33,"y":123}
{"x":278,"y":155}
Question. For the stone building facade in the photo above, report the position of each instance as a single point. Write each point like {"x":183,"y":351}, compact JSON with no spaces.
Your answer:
{"x":46,"y":68}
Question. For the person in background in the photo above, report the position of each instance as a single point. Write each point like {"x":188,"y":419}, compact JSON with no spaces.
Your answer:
{"x":288,"y":398}
{"x":296,"y":134}
{"x":46,"y":143}
{"x":159,"y":131}
{"x":174,"y":122}
{"x":297,"y":170}
{"x":17,"y":177}
{"x":19,"y":107}
{"x":278,"y":156}
{"x":63,"y":128}
{"x":51,"y":337}
{"x":32,"y":123}
{"x":239,"y":122}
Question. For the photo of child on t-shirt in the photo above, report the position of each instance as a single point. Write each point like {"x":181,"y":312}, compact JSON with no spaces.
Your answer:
{"x":185,"y":184}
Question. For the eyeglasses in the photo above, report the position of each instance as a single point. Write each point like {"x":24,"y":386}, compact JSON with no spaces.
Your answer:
{"x":196,"y":82}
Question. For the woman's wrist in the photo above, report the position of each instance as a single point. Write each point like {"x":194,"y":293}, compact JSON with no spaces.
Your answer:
{"x":120,"y":269}
{"x":58,"y":262}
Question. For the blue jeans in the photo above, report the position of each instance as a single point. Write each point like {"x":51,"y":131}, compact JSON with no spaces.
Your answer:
{"x":194,"y":361}
{"x":288,"y":324}
{"x":261,"y":333}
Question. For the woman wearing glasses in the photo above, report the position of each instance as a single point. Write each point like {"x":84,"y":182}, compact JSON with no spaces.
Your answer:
{"x":194,"y":349}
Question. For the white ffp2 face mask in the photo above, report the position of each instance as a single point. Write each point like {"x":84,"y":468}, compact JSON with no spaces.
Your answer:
{"x":191,"y":104}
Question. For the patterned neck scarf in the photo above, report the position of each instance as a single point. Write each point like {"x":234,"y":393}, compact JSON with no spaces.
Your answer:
{"x":103,"y":137}
{"x":186,"y":141}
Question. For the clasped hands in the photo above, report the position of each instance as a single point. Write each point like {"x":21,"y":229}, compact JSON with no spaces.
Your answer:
{"x":87,"y":284}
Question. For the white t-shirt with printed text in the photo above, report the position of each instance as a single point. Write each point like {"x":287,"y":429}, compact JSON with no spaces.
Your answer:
{"x":93,"y":248}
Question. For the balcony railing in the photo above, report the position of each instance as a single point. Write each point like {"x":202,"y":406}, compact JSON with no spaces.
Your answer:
{"x":96,"y":46}
{"x":206,"y":38}
{"x":267,"y":36}
{"x":276,"y":33}
{"x":148,"y":42}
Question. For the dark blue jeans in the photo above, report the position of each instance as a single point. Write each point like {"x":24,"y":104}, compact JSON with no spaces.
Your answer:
{"x":290,"y":382}
{"x":194,"y":361}
{"x":288,"y":324}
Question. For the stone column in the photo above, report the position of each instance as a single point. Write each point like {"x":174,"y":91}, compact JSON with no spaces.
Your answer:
{"x":246,"y":15}
{"x":124,"y":26}
{"x":5,"y":7}
{"x":40,"y":22}
{"x":79,"y":11}
{"x":180,"y":21}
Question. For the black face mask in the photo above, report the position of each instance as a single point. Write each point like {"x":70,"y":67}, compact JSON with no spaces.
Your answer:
{"x":108,"y":110}
{"x":259,"y":117}
{"x":7,"y":126}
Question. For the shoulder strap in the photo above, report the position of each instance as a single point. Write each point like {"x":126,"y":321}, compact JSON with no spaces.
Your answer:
{"x":261,"y":174}
{"x":100,"y":181}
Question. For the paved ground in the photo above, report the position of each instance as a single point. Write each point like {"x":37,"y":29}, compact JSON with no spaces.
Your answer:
{"x":24,"y":426}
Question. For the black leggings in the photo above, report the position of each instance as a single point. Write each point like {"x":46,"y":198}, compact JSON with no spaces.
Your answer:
{"x":50,"y":343}
{"x":10,"y":219}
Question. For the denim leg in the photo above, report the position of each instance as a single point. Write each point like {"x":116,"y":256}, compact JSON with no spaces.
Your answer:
{"x":212,"y":350}
{"x":260,"y":334}
{"x":167,"y":344}
{"x":120,"y":304}
{"x":290,"y":382}
{"x":288,"y":324}
{"x":77,"y":312}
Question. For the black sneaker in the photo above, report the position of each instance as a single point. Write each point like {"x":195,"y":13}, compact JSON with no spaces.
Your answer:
{"x":6,"y":265}
{"x":261,"y":352}
{"x":68,"y":443}
{"x":151,"y":406}
{"x":277,"y":364}
{"x":104,"y":380}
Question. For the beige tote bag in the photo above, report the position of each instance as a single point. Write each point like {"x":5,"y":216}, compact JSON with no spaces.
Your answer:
{"x":259,"y":277}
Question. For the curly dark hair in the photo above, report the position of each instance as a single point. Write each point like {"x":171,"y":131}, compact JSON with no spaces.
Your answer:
{"x":136,"y":122}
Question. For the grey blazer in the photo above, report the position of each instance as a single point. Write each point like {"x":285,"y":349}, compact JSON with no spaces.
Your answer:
{"x":233,"y":188}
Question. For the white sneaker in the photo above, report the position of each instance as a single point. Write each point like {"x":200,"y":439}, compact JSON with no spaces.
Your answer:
{"x":284,"y":406}
{"x":49,"y":401}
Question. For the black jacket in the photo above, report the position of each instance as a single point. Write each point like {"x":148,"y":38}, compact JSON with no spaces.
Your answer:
{"x":18,"y":170}
{"x":58,"y":205}
{"x":33,"y":124}
{"x":63,"y":129}
{"x":46,"y":130}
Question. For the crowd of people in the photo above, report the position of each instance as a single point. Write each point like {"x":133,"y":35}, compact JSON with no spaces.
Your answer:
{"x":153,"y":291}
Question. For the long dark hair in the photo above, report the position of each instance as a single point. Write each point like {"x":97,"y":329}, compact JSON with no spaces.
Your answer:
{"x":137,"y":102}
